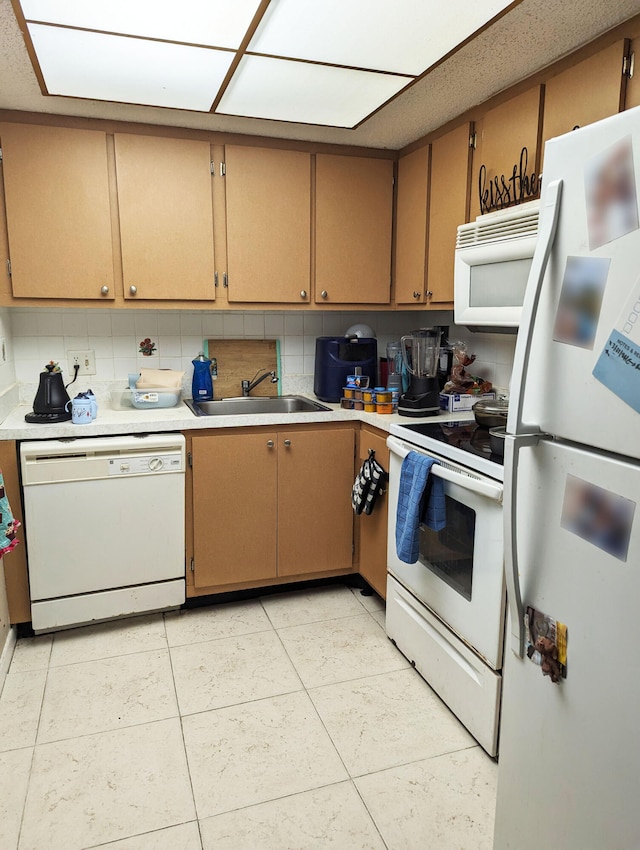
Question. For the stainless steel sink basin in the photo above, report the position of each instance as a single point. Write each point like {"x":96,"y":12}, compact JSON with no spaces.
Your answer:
{"x":255,"y":404}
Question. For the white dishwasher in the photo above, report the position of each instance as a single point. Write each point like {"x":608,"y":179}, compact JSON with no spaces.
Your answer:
{"x":104,"y":527}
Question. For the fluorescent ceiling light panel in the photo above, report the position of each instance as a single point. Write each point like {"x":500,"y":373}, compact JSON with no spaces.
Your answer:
{"x":309,"y":94}
{"x":76,"y":63}
{"x":219,"y":23}
{"x":403,"y":36}
{"x":353,"y":55}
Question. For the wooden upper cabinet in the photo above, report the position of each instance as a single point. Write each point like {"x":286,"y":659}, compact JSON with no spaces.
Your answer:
{"x":58,"y":212}
{"x":354,"y":208}
{"x":411,"y":227}
{"x":501,"y":136}
{"x":268,"y":202}
{"x":5,"y":279}
{"x":166,"y":217}
{"x":632,"y":93}
{"x":448,"y":208}
{"x":591,"y":90}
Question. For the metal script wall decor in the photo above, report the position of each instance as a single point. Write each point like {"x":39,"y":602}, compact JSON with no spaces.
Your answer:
{"x":502,"y":191}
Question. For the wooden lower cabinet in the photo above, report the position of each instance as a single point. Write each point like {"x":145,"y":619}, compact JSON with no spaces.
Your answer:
{"x":14,"y":564}
{"x":269,"y":505}
{"x":234,"y":507}
{"x":315,"y":517}
{"x":372,"y":528}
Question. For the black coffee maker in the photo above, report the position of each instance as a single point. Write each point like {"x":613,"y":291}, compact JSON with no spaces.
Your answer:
{"x":50,"y":402}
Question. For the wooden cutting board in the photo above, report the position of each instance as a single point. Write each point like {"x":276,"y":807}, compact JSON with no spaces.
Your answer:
{"x":240,"y":359}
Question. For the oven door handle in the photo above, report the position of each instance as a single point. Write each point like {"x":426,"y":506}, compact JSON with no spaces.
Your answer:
{"x":443,"y":469}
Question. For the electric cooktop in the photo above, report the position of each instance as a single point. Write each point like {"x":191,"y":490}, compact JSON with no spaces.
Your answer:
{"x":465,"y":442}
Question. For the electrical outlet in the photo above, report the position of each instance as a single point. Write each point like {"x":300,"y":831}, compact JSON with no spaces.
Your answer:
{"x":86,"y":360}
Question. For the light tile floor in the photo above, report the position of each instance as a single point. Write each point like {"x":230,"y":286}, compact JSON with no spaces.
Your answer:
{"x":285,"y":723}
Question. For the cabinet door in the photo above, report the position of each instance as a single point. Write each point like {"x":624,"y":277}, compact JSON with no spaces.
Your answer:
{"x":234,"y":508}
{"x":166,"y":217}
{"x":501,"y":136}
{"x":373,"y":527}
{"x":354,"y":202}
{"x":591,"y":90}
{"x":448,"y":208}
{"x":58,"y":212}
{"x":411,"y":227}
{"x":268,"y":197}
{"x":14,"y":563}
{"x":315,"y":517}
{"x":632,"y":93}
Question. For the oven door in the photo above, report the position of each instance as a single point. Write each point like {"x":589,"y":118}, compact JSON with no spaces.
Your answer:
{"x":459,"y":573}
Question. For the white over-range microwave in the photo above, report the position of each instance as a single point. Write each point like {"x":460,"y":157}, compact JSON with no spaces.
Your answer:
{"x":492,"y":263}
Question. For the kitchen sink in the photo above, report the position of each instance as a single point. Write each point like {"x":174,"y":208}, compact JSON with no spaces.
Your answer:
{"x":255,"y":404}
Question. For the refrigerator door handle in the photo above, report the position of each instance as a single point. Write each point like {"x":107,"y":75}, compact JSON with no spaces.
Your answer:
{"x":546,"y":238}
{"x":512,"y":446}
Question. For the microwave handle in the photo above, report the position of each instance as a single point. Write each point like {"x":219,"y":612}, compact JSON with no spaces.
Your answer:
{"x":489,"y":489}
{"x":546,"y":238}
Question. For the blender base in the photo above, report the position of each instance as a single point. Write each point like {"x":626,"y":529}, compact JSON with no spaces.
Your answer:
{"x":422,"y":398}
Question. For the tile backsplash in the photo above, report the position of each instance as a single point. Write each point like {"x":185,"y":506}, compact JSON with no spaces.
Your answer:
{"x":33,"y":336}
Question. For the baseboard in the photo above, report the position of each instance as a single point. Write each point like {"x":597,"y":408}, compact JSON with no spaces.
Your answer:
{"x":7,"y":655}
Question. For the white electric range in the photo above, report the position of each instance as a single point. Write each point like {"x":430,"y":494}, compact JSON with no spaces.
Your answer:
{"x":446,"y":611}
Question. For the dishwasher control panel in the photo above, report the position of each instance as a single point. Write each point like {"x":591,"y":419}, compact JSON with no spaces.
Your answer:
{"x":143,"y":464}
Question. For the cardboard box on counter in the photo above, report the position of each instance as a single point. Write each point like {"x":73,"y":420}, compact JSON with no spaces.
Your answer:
{"x":454,"y":402}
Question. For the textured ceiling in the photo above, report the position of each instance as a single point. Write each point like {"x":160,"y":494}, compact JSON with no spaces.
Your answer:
{"x":528,"y":38}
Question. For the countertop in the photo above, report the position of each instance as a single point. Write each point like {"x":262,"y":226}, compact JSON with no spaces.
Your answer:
{"x":180,"y":418}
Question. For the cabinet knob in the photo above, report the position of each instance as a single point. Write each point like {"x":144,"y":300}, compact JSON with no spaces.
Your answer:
{"x":269,"y":444}
{"x":428,"y":293}
{"x":324,"y":293}
{"x":104,"y":290}
{"x":416,"y":295}
{"x":287,"y":443}
{"x":133,"y":290}
{"x":303,"y":293}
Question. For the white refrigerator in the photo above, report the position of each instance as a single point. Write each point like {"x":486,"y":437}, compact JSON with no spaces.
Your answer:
{"x":569,"y":766}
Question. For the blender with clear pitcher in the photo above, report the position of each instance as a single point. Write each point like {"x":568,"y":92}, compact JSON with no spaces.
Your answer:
{"x":420,"y":355}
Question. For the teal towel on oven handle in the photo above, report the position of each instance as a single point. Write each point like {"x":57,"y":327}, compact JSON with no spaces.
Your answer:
{"x":414,"y":476}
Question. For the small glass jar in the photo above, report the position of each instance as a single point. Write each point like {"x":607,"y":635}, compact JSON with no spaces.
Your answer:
{"x":369,"y":406}
{"x":383,"y":395}
{"x":384,"y":407}
{"x":348,"y":392}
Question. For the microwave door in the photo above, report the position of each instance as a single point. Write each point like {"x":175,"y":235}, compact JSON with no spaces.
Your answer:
{"x":492,"y":263}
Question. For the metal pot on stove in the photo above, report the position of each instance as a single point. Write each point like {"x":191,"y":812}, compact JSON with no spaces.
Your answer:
{"x":491,"y":413}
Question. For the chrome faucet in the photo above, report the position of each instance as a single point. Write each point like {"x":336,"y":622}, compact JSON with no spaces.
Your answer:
{"x":247,"y":386}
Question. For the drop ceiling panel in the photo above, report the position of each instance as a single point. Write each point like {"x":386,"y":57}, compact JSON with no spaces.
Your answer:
{"x":405,"y":36}
{"x":309,"y":94}
{"x":77,"y":63}
{"x":219,"y":23}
